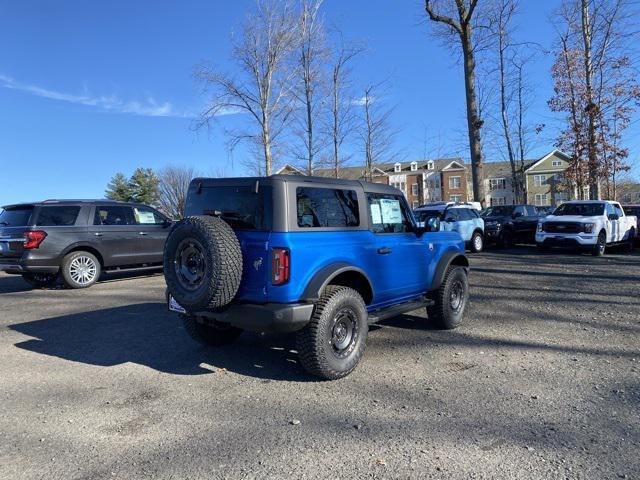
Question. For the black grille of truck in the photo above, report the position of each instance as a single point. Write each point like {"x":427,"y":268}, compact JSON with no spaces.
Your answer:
{"x":563,"y":227}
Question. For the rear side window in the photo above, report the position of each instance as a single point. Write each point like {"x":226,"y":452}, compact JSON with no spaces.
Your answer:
{"x":327,"y":207}
{"x":57,"y":216}
{"x":113,"y":215}
{"x":15,"y":217}
{"x":240,"y":206}
{"x":388,"y":214}
{"x":452,"y":215}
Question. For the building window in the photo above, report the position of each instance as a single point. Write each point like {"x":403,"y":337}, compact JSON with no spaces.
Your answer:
{"x":397,"y":167}
{"x":560,"y":197}
{"x":415,"y":204}
{"x":430,"y":165}
{"x":498,"y":201}
{"x":539,"y":180}
{"x":556,"y":163}
{"x":542,"y":199}
{"x":414,"y":166}
{"x":454,"y":182}
{"x":436,"y":182}
{"x":399,"y":185}
{"x":497,"y":184}
{"x":414,"y":189}
{"x":455,"y":198}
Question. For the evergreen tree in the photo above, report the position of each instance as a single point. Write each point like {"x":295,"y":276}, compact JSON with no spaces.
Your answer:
{"x":119,"y":188}
{"x":145,"y":186}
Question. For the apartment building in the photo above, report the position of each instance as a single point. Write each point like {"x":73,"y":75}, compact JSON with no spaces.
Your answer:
{"x":449,"y":179}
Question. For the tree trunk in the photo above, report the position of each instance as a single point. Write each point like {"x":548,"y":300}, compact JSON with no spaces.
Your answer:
{"x":266,"y":142}
{"x":473,"y":121}
{"x":594,"y":185}
{"x":505,"y":121}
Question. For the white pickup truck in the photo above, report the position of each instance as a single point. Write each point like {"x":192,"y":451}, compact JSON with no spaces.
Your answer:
{"x":586,"y":224}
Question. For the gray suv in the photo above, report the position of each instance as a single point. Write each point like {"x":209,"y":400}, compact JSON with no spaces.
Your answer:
{"x":78,"y":239}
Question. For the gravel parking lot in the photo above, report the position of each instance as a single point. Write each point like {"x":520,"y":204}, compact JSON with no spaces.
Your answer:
{"x":543,"y":381}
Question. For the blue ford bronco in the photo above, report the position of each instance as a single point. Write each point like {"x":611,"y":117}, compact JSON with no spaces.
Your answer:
{"x":320,"y":257}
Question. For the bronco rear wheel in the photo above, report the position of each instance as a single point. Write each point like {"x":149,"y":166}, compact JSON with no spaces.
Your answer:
{"x":334,"y":340}
{"x":202,"y":263}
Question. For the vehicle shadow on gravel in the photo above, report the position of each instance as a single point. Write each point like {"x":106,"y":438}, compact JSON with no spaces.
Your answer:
{"x":148,"y":335}
{"x":15,"y":283}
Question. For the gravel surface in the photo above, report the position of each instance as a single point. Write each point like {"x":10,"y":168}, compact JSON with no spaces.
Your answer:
{"x":543,"y":381}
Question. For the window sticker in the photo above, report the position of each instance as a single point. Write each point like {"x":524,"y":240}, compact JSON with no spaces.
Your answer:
{"x":376,"y":217}
{"x":390,"y":210}
{"x":145,"y":217}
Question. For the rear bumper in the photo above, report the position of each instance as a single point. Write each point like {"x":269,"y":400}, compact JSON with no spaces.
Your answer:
{"x":8,"y":266}
{"x":268,"y":317}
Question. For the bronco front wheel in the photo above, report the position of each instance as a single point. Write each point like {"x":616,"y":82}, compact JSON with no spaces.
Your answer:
{"x":450,"y":299}
{"x":334,"y":340}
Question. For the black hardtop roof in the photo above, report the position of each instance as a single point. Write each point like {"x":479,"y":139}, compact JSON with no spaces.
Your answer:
{"x":247,"y":181}
{"x":53,"y":201}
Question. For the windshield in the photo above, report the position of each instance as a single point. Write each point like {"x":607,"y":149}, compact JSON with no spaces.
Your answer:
{"x":497,"y":212}
{"x":580,"y":209}
{"x":16,"y":217}
{"x":424,"y":215}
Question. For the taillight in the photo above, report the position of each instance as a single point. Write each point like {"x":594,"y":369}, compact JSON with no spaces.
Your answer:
{"x":33,"y":239}
{"x":280,"y":266}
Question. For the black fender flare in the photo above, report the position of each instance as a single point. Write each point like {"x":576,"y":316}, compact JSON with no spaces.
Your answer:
{"x":448,"y":258}
{"x":323,"y":277}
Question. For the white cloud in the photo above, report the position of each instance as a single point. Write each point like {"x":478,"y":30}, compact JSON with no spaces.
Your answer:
{"x":361,"y":101}
{"x":112,"y":103}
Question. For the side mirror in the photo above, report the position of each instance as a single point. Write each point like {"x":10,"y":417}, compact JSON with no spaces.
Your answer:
{"x":433,"y":225}
{"x":614,"y":216}
{"x":166,"y":223}
{"x":517,"y":214}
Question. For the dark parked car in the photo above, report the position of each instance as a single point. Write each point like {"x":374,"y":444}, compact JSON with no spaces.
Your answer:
{"x":78,"y":239}
{"x":507,"y":225}
{"x":634,"y":210}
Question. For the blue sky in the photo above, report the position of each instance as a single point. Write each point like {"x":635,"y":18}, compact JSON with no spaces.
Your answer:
{"x":91,"y":88}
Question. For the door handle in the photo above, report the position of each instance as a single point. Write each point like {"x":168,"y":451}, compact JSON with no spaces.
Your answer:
{"x":97,"y":234}
{"x":384,"y":250}
{"x":142,"y":233}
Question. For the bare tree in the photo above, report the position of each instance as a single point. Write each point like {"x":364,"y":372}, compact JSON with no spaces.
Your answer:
{"x":376,"y":131}
{"x":174,"y":183}
{"x":263,"y":88}
{"x":457,"y":19}
{"x":341,"y":119}
{"x":312,"y":56}
{"x":596,"y":84}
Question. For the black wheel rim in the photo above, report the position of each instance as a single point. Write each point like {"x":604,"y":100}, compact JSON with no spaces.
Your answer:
{"x":456,"y":296}
{"x":344,"y":332}
{"x":190,"y":264}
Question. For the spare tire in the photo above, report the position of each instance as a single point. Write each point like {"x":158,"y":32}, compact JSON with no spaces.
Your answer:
{"x":202,"y":263}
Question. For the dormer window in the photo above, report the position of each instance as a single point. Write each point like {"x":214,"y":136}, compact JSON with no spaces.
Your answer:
{"x":430,"y":165}
{"x":414,"y":166}
{"x":397,"y":167}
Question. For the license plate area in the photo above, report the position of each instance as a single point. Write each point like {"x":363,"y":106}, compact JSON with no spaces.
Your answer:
{"x":175,"y":306}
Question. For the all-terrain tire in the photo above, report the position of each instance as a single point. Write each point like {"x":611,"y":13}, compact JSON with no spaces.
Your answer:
{"x":477,"y":242}
{"x":601,"y":245}
{"x":202,"y":263}
{"x":40,"y":280}
{"x":80,"y":269}
{"x":319,"y":342}
{"x":215,"y":334}
{"x":450,"y":299}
